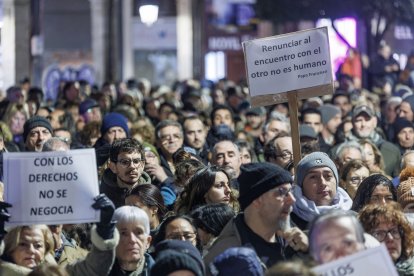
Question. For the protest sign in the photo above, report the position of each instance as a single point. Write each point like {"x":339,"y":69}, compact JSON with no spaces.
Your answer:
{"x":373,"y":261}
{"x":51,"y":187}
{"x":297,"y":61}
{"x":287,"y":68}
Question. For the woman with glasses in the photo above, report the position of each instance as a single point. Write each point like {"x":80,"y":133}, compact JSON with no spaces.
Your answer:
{"x":208,"y":185}
{"x":388,"y":224}
{"x":177,"y":227}
{"x":375,"y":189}
{"x":352,"y":174}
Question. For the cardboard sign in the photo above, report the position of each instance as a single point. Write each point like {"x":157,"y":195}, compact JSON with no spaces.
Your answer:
{"x":373,"y":261}
{"x":51,"y":187}
{"x":297,"y":61}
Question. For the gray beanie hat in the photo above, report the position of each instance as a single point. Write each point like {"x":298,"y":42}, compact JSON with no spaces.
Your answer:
{"x":328,"y":111}
{"x":314,"y":160}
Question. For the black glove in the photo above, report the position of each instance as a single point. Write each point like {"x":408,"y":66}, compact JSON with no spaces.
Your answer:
{"x":4,"y":216}
{"x":106,"y":226}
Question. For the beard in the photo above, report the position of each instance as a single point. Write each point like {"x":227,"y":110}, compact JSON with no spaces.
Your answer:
{"x":283,"y":224}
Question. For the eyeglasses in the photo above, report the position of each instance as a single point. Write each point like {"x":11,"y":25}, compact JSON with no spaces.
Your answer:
{"x":380,"y":235}
{"x":285,"y":155}
{"x":356,"y":179}
{"x":138,"y":162}
{"x":188,"y":236}
{"x":283,"y":192}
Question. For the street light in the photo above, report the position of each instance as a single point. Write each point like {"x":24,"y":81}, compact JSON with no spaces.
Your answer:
{"x":148,"y":12}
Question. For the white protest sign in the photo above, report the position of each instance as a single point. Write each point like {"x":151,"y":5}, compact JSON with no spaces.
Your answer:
{"x":373,"y":261}
{"x":288,"y":62}
{"x":51,"y":187}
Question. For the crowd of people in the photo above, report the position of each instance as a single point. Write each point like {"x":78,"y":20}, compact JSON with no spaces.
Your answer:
{"x":195,"y":181}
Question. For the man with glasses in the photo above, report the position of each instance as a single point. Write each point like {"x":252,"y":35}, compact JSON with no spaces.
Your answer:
{"x":317,"y":189}
{"x":264,"y":221}
{"x":279,"y":150}
{"x":125,"y":170}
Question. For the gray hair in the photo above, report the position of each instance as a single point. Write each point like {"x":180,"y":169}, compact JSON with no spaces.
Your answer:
{"x":403,"y":164}
{"x":55,"y":144}
{"x":347,"y":145}
{"x":277,"y":116}
{"x":132,"y":214}
{"x":331,"y":216}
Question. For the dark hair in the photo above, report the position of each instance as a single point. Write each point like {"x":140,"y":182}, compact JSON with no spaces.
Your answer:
{"x":219,"y":133}
{"x":160,"y":236}
{"x":246,"y":145}
{"x":353,"y":164}
{"x":212,"y":217}
{"x":197,"y":187}
{"x":310,"y":110}
{"x":340,"y":93}
{"x":367,"y":187}
{"x":185,"y":169}
{"x":128,"y":145}
{"x":150,"y":196}
{"x":220,"y":107}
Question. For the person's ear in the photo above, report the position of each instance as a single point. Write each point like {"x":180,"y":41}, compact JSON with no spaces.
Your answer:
{"x":112,"y":167}
{"x":149,"y":239}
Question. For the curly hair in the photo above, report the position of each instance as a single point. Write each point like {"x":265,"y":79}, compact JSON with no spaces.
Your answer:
{"x":372,"y":215}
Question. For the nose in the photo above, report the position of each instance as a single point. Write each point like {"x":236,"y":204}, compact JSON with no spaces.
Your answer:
{"x":383,"y":201}
{"x":31,"y":248}
{"x":290,"y":198}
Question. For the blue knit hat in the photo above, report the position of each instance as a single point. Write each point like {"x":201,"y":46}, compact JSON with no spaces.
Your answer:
{"x":114,"y":120}
{"x":237,"y":261}
{"x":314,"y":160}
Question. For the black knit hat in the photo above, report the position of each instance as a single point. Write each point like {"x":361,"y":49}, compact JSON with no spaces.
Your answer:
{"x":400,"y":124}
{"x":36,"y":121}
{"x":169,"y":261}
{"x":257,"y":178}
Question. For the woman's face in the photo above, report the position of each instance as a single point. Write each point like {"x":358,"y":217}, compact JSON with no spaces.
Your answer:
{"x":31,"y":248}
{"x":245,"y":156}
{"x":369,"y":155}
{"x":181,"y":229}
{"x":133,"y":242}
{"x":381,"y":195}
{"x":220,"y":191}
{"x":389,"y":234}
{"x":354,"y":178}
{"x":134,"y":200}
{"x":17,"y":122}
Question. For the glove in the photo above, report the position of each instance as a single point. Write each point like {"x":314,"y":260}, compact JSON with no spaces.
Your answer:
{"x":106,"y":226}
{"x":4,"y":216}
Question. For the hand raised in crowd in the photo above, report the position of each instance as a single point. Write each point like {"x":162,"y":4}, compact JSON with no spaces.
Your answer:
{"x":105,"y":227}
{"x":296,"y":239}
{"x":155,"y":170}
{"x":4,"y":216}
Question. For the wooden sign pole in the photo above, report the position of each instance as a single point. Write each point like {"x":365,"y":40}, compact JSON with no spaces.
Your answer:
{"x":294,"y":125}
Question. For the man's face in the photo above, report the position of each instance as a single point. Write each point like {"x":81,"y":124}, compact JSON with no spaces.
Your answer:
{"x":284,"y":151}
{"x":406,"y":137}
{"x":319,"y":186}
{"x":36,"y":137}
{"x":354,"y":179}
{"x":170,"y":139}
{"x":335,"y":239}
{"x":275,"y":205}
{"x":223,"y":116}
{"x":273,"y":129}
{"x":344,"y":105}
{"x":133,"y":242}
{"x":313,"y":120}
{"x":93,"y":115}
{"x":226,"y":154}
{"x":114,"y":133}
{"x":195,"y":133}
{"x":128,"y":167}
{"x":333,"y":124}
{"x":349,"y":154}
{"x":406,"y":112}
{"x":255,"y":121}
{"x":364,"y":125}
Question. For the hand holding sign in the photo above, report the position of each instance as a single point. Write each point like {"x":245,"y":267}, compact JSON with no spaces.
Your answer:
{"x":105,"y":227}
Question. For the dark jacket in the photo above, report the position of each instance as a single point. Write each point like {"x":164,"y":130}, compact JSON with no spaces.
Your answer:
{"x":115,"y":193}
{"x":145,"y":271}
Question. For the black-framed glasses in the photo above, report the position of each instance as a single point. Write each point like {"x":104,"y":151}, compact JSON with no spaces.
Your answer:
{"x":138,"y":162}
{"x":380,"y":235}
{"x":286,"y":155}
{"x":188,"y":236}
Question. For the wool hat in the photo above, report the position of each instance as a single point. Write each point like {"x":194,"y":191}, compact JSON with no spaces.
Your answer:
{"x":114,"y":119}
{"x":170,"y":261}
{"x":180,"y":246}
{"x":86,"y":105}
{"x":36,"y":121}
{"x":256,"y":179}
{"x":405,"y":191}
{"x":314,"y":160}
{"x":258,"y":111}
{"x":236,"y":261}
{"x":410,"y":101}
{"x":328,"y":111}
{"x":400,"y":124}
{"x":358,"y":110}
